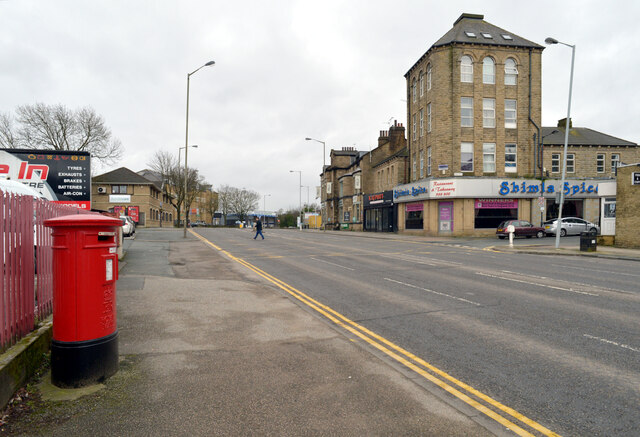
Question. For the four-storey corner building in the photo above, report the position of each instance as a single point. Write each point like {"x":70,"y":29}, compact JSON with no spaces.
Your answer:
{"x":478,"y":153}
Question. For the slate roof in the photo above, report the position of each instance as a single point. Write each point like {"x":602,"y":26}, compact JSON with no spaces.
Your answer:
{"x":472,"y":24}
{"x":581,"y":136}
{"x":122,"y":175}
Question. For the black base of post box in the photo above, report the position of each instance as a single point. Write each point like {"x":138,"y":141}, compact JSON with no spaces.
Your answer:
{"x":82,"y":363}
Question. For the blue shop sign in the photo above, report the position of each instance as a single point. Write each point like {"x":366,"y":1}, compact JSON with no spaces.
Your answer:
{"x":413,"y":192}
{"x":507,"y":188}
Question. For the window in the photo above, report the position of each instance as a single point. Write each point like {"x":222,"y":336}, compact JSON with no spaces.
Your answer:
{"x":429,"y":117}
{"x":421,"y":164}
{"x":466,"y":157}
{"x":414,"y":90}
{"x":356,"y":183}
{"x":600,"y":163}
{"x":489,"y":113}
{"x":510,"y":114}
{"x":510,"y":158}
{"x":421,"y":84}
{"x":506,"y":37}
{"x":470,"y":34}
{"x":341,"y":188}
{"x":422,"y":122}
{"x":428,"y":161}
{"x":414,"y":127}
{"x":118,"y":189}
{"x":413,"y":167}
{"x":510,"y":72}
{"x":428,"y":77}
{"x":328,"y":187}
{"x":486,"y":35}
{"x":555,"y":163}
{"x":615,"y":161}
{"x":466,"y":69}
{"x":466,"y":112}
{"x":489,"y":157}
{"x":571,"y":163}
{"x":488,"y":71}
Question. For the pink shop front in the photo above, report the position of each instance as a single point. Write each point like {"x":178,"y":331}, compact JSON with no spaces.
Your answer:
{"x":476,"y":206}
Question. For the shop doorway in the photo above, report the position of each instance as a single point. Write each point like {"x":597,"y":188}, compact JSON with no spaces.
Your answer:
{"x":445,"y":216}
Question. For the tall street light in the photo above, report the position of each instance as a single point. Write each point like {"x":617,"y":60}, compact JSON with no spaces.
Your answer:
{"x":195,"y":146}
{"x":265,"y":204}
{"x":299,"y":193}
{"x":566,"y":136}
{"x":324,"y":162}
{"x":186,"y":148}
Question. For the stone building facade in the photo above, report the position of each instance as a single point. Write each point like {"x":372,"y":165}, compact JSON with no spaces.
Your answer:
{"x":627,"y":212}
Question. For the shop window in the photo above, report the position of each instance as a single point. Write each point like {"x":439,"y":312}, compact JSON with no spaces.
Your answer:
{"x":489,"y":213}
{"x":510,"y":158}
{"x":600,"y":163}
{"x":489,"y":157}
{"x":555,"y":163}
{"x":466,"y":111}
{"x":466,"y":157}
{"x":413,"y":215}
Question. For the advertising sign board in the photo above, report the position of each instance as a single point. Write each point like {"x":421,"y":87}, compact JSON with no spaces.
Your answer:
{"x":60,"y":176}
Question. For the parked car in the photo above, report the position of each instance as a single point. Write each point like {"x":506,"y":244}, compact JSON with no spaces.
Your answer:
{"x":128,"y":226}
{"x":522,"y":228}
{"x":570,"y":226}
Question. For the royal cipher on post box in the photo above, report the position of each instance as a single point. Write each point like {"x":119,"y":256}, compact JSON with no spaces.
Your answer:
{"x":84,"y":349}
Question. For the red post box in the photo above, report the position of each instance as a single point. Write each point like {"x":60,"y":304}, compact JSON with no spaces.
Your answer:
{"x":84,"y":349}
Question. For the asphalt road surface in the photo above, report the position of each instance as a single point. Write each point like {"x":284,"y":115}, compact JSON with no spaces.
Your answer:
{"x":549,"y":343}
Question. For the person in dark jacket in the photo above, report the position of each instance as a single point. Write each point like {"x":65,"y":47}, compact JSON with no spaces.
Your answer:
{"x":258,"y":228}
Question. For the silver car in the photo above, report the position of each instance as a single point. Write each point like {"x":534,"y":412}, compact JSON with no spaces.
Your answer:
{"x":570,"y":226}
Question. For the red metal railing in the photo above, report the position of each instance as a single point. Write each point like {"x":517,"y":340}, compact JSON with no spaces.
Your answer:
{"x":26,"y":273}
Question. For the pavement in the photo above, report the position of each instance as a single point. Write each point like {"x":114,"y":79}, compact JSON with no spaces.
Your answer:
{"x":209,"y":348}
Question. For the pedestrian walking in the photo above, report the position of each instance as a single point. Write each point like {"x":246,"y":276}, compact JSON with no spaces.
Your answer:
{"x":258,"y":228}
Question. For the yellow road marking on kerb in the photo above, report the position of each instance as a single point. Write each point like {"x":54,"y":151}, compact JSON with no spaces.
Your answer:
{"x":386,"y":347}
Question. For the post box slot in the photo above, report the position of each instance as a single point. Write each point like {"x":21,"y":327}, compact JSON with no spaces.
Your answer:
{"x":105,"y":237}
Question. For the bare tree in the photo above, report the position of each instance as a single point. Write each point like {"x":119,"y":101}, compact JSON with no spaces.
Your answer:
{"x":56,"y":127}
{"x":225,"y":193}
{"x":243,"y":201}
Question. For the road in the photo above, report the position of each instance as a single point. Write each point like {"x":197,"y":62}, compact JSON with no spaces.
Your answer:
{"x":549,"y":343}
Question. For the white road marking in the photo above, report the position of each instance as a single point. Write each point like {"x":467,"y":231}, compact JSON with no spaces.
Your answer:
{"x":536,"y":283}
{"x":432,"y":291}
{"x":337,"y":265}
{"x":601,"y":271}
{"x":615,"y":343}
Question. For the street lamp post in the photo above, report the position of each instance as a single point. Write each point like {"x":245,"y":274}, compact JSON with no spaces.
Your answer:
{"x":299,"y":193}
{"x":186,"y":148}
{"x":195,"y":146}
{"x":324,"y":157}
{"x":566,"y":136}
{"x":265,"y":203}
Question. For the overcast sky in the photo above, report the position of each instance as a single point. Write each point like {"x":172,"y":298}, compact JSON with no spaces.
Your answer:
{"x":286,"y":70}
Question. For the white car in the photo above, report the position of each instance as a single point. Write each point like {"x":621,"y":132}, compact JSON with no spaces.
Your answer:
{"x":128,"y":227}
{"x":570,"y":226}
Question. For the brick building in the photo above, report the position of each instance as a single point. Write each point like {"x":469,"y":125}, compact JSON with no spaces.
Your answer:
{"x":133,"y":194}
{"x":627,"y":213}
{"x":478,"y":153}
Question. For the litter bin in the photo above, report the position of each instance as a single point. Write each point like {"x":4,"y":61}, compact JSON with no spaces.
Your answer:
{"x":84,"y":348}
{"x":588,"y":242}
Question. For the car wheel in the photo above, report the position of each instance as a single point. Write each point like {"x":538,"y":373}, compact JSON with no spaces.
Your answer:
{"x":540,"y":234}
{"x":563,"y":232}
{"x":593,"y":231}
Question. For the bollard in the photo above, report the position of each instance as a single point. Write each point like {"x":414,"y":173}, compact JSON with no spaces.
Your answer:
{"x":84,"y":349}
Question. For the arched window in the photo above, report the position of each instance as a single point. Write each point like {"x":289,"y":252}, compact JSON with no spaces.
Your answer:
{"x":421,"y":84}
{"x":488,"y":71}
{"x":414,"y":90}
{"x":428,"y":77}
{"x":466,"y":69}
{"x":510,"y":72}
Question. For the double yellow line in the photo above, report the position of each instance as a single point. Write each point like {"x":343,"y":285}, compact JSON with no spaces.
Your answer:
{"x":418,"y":365}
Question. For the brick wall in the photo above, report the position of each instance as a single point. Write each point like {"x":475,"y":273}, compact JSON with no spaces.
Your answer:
{"x":627,"y":208}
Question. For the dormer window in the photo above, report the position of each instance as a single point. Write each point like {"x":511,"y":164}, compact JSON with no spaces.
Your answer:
{"x":470,"y":34}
